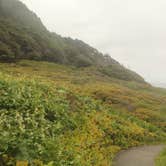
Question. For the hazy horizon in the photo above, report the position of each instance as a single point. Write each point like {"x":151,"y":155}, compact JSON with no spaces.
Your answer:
{"x":132,"y":32}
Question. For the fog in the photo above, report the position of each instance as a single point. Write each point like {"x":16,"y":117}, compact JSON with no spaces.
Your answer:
{"x":131,"y":31}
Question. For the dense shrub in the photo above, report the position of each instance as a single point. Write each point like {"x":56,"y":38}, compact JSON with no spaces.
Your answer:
{"x":44,"y":123}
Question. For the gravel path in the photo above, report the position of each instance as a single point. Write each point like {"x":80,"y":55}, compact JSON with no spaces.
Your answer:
{"x":139,"y":156}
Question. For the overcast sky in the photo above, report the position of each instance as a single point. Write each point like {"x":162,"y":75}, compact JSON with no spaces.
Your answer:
{"x":131,"y":31}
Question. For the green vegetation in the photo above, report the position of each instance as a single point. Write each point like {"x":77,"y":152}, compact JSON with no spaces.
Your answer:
{"x":161,"y":160}
{"x":78,"y":112}
{"x":54,"y":114}
{"x":24,"y":37}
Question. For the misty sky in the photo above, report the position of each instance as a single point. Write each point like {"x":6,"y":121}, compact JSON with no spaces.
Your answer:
{"x":131,"y":31}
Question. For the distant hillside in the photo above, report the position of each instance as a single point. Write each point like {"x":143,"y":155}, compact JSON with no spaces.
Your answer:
{"x":23,"y":36}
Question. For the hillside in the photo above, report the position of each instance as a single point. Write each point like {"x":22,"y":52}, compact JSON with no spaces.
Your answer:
{"x":63,"y":103}
{"x":23,"y":36}
{"x":62,"y":116}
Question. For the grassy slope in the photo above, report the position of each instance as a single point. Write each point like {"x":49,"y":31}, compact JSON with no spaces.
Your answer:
{"x":80,"y":116}
{"x":161,"y":160}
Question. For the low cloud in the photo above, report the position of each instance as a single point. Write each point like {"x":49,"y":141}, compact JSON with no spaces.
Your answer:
{"x":131,"y":31}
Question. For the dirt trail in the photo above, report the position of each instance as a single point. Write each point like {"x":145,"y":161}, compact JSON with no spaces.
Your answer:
{"x":139,"y":156}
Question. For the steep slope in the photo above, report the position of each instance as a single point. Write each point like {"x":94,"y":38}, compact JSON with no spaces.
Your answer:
{"x":23,"y":36}
{"x":55,"y":115}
